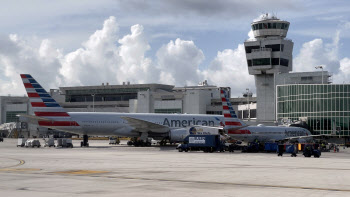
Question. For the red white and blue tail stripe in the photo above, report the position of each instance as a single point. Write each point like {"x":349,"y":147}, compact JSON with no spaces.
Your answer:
{"x":44,"y":105}
{"x":230,"y":116}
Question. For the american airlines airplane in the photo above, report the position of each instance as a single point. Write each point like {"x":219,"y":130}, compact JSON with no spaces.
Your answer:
{"x":260,"y":133}
{"x":48,"y":113}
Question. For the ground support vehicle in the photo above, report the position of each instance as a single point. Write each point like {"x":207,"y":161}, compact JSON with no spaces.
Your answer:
{"x":253,"y":147}
{"x":138,"y":142}
{"x":271,"y":147}
{"x":347,"y":144}
{"x":64,"y":143}
{"x":231,"y":147}
{"x":49,"y":142}
{"x":309,"y":151}
{"x":32,"y":143}
{"x":114,"y":140}
{"x":206,"y":143}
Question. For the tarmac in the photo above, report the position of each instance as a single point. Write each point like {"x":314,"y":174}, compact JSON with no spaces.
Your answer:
{"x":121,"y":170}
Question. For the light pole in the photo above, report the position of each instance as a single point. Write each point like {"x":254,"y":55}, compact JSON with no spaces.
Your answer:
{"x":320,"y":67}
{"x":93,"y":102}
{"x":248,"y":104}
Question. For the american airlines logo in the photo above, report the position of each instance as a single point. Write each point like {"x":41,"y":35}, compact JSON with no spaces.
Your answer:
{"x":185,"y":123}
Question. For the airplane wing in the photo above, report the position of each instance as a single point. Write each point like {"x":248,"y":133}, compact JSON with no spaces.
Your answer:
{"x":308,"y":136}
{"x":145,"y":126}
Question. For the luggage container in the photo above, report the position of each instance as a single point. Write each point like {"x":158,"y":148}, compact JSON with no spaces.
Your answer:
{"x":271,"y":147}
{"x":49,"y":142}
{"x":21,"y":142}
{"x":32,"y":143}
{"x":64,"y":143}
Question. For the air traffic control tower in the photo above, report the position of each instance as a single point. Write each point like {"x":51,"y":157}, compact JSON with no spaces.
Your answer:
{"x":268,"y":55}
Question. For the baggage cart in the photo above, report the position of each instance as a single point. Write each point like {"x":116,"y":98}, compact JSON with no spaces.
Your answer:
{"x":49,"y":142}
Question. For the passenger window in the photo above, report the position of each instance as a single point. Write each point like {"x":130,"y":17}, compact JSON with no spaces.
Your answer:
{"x":273,"y":25}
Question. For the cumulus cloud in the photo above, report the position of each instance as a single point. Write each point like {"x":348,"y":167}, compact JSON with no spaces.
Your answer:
{"x":229,"y":68}
{"x":179,"y":63}
{"x":95,"y":59}
{"x":19,"y":56}
{"x":318,"y":53}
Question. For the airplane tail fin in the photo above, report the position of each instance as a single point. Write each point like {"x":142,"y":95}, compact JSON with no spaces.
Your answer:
{"x":42,"y":103}
{"x":230,"y":117}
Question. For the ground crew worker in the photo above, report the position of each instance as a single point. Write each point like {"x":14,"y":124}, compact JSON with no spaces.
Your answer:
{"x":295,"y":150}
{"x":280,"y":150}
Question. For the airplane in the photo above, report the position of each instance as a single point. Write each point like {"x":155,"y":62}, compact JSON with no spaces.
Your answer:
{"x":48,"y":113}
{"x":260,"y":133}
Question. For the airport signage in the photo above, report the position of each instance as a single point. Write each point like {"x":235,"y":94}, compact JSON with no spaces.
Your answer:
{"x":196,"y":140}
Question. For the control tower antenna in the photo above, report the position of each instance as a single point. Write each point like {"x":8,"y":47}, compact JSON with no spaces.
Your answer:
{"x":268,"y":55}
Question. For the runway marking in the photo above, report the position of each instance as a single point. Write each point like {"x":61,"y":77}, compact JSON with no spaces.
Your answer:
{"x":81,"y":172}
{"x":234,"y":184}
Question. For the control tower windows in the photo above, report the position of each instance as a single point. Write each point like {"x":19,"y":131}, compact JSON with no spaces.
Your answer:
{"x":261,"y":61}
{"x":286,"y":26}
{"x":278,"y":25}
{"x":275,"y":61}
{"x":248,"y":49}
{"x":249,"y":62}
{"x":274,"y":47}
{"x":264,"y":25}
{"x":270,"y":26}
{"x":284,"y":62}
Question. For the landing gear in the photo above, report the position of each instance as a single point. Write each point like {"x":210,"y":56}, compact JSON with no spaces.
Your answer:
{"x":163,"y":142}
{"x":138,"y":142}
{"x":85,"y":142}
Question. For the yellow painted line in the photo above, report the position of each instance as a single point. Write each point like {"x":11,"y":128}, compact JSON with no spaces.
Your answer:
{"x":21,"y":162}
{"x":81,"y":172}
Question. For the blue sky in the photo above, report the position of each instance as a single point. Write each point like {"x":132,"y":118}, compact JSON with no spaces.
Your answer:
{"x":206,"y":38}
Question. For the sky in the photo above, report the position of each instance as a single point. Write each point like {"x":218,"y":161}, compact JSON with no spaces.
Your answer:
{"x":73,"y":43}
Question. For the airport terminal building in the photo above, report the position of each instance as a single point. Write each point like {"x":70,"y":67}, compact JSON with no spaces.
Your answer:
{"x":325,"y":107}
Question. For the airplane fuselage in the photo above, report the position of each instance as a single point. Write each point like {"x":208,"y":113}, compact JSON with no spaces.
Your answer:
{"x":112,"y":124}
{"x":267,"y":133}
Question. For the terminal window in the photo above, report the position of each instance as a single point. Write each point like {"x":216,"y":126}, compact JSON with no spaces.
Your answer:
{"x":168,"y":111}
{"x":11,"y":116}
